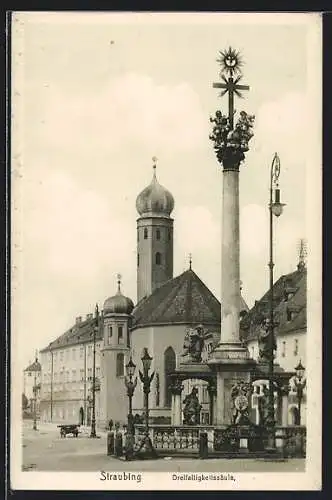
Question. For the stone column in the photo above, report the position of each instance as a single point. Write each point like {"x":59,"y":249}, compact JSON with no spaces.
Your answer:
{"x":230,"y":258}
{"x":212,"y":390}
{"x":176,"y":389}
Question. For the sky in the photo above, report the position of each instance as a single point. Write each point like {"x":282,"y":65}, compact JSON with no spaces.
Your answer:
{"x":95,"y":97}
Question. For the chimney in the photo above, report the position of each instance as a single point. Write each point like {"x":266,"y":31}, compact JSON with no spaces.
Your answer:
{"x":78,"y":320}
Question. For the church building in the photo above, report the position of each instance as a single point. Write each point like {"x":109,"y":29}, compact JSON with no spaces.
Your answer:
{"x":166,"y":307}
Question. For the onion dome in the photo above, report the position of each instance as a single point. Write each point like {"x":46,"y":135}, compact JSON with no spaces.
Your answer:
{"x":118,"y":304}
{"x":155,"y":200}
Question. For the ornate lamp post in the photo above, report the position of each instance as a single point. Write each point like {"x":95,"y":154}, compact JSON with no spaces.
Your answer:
{"x":146,"y":380}
{"x":300,"y":383}
{"x":93,"y":419}
{"x":130,"y":385}
{"x":275,"y":209}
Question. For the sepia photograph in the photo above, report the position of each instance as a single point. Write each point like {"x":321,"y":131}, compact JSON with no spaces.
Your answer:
{"x":166,"y":328}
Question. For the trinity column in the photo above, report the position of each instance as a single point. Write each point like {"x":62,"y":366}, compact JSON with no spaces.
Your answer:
{"x":230,"y":359}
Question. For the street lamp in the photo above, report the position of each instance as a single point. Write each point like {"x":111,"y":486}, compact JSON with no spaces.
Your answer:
{"x":146,"y":380}
{"x":35,"y":396}
{"x":300,"y":383}
{"x":93,"y":419}
{"x":275,"y":209}
{"x":130,"y":385}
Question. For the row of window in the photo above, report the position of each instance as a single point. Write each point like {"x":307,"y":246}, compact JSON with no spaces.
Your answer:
{"x":72,"y":353}
{"x":158,"y":259}
{"x":295,"y":348}
{"x":283,"y":350}
{"x":158,"y":234}
{"x":73,"y":376}
{"x":109,"y":333}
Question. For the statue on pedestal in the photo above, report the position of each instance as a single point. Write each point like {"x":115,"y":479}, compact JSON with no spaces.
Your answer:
{"x":263,"y":341}
{"x":192,"y":408}
{"x":263,"y":401}
{"x":194,"y":342}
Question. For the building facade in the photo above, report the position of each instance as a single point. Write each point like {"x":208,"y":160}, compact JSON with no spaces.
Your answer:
{"x":166,"y":307}
{"x":290,"y":314}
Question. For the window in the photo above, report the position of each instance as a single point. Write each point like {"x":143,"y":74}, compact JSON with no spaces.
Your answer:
{"x":61,"y":355}
{"x":89,"y":373}
{"x":89,"y":350}
{"x":120,"y":365}
{"x":110,"y":333}
{"x":205,"y":395}
{"x":82,"y":375}
{"x":289,"y":315}
{"x":283,"y":352}
{"x":73,"y":353}
{"x":145,"y":233}
{"x":120,"y":334}
{"x":73,"y":375}
{"x":169,"y":234}
{"x":98,"y":371}
{"x":81,"y":352}
{"x":138,"y":260}
{"x":98,"y":346}
{"x":296,"y":347}
{"x":253,"y":352}
{"x":158,"y":258}
{"x":158,"y":234}
{"x":67,"y":376}
{"x":29,"y":374}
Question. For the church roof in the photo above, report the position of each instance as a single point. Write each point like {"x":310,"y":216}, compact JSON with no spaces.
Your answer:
{"x":290,"y":306}
{"x":181,"y":300}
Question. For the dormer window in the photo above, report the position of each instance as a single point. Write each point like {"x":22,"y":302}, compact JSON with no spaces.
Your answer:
{"x":289,"y":315}
{"x":158,"y":234}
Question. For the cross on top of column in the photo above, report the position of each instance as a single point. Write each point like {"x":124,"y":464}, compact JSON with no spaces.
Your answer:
{"x":230,"y":61}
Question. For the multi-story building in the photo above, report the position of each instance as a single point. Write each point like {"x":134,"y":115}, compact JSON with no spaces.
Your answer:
{"x":67,"y":365}
{"x":290,"y":315}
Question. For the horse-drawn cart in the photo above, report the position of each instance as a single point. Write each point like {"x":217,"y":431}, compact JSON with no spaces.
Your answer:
{"x":69,"y":429}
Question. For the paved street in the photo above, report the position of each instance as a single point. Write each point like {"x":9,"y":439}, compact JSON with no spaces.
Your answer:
{"x":44,"y":450}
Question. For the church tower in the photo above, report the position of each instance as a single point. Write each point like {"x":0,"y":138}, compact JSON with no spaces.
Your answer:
{"x":115,"y":353}
{"x":154,"y":237}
